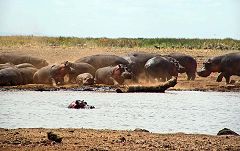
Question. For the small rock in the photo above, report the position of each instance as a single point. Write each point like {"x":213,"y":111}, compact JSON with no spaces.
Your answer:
{"x":54,"y":137}
{"x":140,"y":130}
{"x":166,"y":146}
{"x":16,"y":142}
{"x":227,"y":131}
{"x":121,"y":140}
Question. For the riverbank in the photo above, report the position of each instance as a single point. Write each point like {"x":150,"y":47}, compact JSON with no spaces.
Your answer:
{"x":182,"y":85}
{"x":96,"y":140}
{"x":89,"y":139}
{"x":58,"y":54}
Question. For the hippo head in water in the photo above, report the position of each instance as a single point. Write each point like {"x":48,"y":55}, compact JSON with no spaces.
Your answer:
{"x":80,"y":104}
{"x":209,"y":66}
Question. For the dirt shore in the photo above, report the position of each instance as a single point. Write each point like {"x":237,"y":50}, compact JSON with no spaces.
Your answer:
{"x":59,"y":54}
{"x":103,"y":140}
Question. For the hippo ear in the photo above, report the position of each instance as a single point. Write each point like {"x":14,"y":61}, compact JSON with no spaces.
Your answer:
{"x":65,"y":63}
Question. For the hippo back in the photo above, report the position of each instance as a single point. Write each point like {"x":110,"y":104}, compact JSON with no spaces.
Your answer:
{"x":188,"y":62}
{"x":27,"y":74}
{"x":10,"y":76}
{"x":19,"y":59}
{"x":231,"y":63}
{"x":137,"y":61}
{"x":99,"y":61}
{"x":6,"y":65}
{"x":160,"y":67}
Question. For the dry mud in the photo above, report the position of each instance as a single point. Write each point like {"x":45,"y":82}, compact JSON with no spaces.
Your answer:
{"x":103,"y":140}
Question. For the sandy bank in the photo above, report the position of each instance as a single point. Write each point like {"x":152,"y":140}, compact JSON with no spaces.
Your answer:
{"x":89,"y":139}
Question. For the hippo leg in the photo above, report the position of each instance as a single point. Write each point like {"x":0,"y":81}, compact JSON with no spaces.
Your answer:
{"x":225,"y":75}
{"x":72,"y":77}
{"x":168,"y":77}
{"x":54,"y":82}
{"x":219,"y":78}
{"x":114,"y":81}
{"x":191,"y":75}
{"x":147,"y":78}
{"x":163,"y":78}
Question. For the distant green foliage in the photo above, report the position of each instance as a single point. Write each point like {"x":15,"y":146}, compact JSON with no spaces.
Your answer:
{"x":222,"y":44}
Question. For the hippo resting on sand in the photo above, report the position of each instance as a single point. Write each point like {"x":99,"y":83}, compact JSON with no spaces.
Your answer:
{"x":18,"y":59}
{"x":99,"y":61}
{"x":25,"y":65}
{"x":16,"y":76}
{"x":10,"y":76}
{"x":27,"y":74}
{"x":227,"y":65}
{"x":79,"y":68}
{"x":22,"y":65}
{"x":112,"y":75}
{"x":52,"y":74}
{"x":80,"y":104}
{"x":6,"y":65}
{"x":85,"y":79}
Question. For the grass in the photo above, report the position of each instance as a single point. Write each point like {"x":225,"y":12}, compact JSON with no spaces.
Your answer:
{"x":219,"y":44}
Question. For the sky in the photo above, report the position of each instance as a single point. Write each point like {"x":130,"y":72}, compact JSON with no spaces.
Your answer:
{"x":121,"y":18}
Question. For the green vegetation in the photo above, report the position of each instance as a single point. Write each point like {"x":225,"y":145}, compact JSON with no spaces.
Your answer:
{"x":222,"y":44}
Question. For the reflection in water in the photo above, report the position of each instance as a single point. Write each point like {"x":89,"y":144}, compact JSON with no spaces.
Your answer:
{"x":173,"y":111}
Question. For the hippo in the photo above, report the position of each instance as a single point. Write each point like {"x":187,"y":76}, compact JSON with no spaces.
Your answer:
{"x":85,"y":79}
{"x":188,"y":62}
{"x":22,"y":65}
{"x":18,"y":59}
{"x":101,"y":60}
{"x":161,"y":68}
{"x":27,"y":74}
{"x":25,"y":65}
{"x":227,"y":65}
{"x":112,"y":75}
{"x":80,"y":104}
{"x":21,"y":75}
{"x":6,"y":65}
{"x":52,"y":74}
{"x":10,"y":77}
{"x":79,"y":68}
{"x":137,"y":61}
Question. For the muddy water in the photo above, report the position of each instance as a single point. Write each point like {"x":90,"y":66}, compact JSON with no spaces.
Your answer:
{"x":170,"y":112}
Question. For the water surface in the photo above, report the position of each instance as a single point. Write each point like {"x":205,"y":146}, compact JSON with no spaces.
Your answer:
{"x":170,"y":112}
